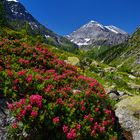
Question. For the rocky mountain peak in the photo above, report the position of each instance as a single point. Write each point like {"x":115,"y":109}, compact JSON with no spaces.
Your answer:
{"x":94,"y":33}
{"x":93,"y":23}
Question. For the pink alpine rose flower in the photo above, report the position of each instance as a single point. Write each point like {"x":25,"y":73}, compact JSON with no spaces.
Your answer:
{"x":36,"y":99}
{"x":29,"y":78}
{"x":10,"y":106}
{"x":56,"y":120}
{"x":34,"y":114}
{"x":65,"y":128}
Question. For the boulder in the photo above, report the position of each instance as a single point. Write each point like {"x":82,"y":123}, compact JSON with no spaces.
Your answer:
{"x":128,"y":113}
{"x":3,"y":119}
{"x":95,"y":63}
{"x":73,"y":60}
{"x":131,"y":77}
{"x":114,"y":94}
{"x":110,"y":69}
{"x":134,"y":86}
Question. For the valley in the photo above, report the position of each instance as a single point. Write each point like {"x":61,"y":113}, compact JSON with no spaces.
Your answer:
{"x":81,"y":86}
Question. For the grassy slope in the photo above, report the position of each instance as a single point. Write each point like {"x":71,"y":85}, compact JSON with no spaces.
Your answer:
{"x":110,"y":79}
{"x":100,"y":71}
{"x":129,"y":57}
{"x":124,"y":56}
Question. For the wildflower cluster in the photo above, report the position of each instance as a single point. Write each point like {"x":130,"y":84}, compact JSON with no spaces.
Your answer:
{"x":49,"y":96}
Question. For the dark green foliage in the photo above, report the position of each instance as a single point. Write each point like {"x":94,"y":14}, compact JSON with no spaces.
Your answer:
{"x":2,"y":15}
{"x":110,"y":54}
{"x":97,"y":51}
{"x":66,"y":45}
{"x":124,"y":56}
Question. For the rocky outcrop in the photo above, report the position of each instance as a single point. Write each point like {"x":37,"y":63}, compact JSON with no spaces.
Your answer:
{"x":73,"y":60}
{"x":3,"y":119}
{"x":117,"y":95}
{"x":128,"y":113}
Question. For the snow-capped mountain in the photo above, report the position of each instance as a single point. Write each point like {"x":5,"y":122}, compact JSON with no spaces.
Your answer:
{"x":115,"y":29}
{"x":94,"y":33}
{"x":18,"y":16}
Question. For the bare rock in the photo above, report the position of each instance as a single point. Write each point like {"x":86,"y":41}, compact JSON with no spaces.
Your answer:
{"x":128,"y":113}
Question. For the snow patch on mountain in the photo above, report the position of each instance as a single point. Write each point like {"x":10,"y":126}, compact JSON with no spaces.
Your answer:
{"x":93,"y":23}
{"x":115,"y":29}
{"x":82,"y":44}
{"x":12,"y":0}
{"x":47,"y":36}
{"x":100,"y":26}
{"x":87,"y":39}
{"x":33,"y":25}
{"x":112,"y":30}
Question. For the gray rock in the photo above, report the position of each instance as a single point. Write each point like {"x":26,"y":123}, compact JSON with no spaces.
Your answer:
{"x":121,"y":93}
{"x":128,"y":113}
{"x":113,"y":96}
{"x":138,"y":60}
{"x":134,"y":86}
{"x":110,"y":69}
{"x":5,"y":119}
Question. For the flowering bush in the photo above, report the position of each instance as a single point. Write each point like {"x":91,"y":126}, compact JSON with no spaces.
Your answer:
{"x":49,"y":99}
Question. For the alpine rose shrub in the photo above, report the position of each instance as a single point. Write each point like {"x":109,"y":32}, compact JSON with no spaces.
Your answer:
{"x":49,"y":99}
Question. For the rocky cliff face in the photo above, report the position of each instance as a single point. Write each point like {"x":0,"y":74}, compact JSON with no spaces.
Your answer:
{"x":94,"y":33}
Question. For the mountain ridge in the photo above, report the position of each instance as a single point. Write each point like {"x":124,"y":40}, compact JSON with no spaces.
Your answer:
{"x":17,"y":16}
{"x":94,"y":33}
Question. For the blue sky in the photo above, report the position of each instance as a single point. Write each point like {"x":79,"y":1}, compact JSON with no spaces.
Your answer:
{"x":65,"y":16}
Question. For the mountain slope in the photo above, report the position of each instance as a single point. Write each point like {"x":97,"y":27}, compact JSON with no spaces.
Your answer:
{"x":125,"y":56}
{"x":18,"y":17}
{"x":94,"y":33}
